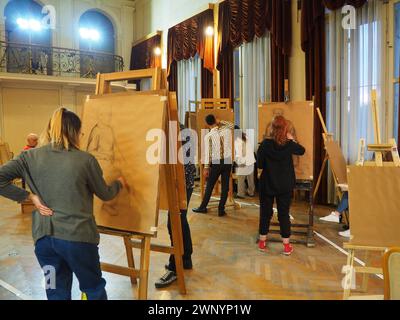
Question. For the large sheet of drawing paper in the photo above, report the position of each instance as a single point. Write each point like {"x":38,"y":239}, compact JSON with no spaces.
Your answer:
{"x":114,"y":130}
{"x":301,"y":117}
{"x":337,"y":161}
{"x":374,"y":205}
{"x":221,"y":114}
{"x":179,"y":169}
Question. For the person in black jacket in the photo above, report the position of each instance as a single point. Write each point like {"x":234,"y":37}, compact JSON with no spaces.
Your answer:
{"x":190,"y":172}
{"x":277,"y":181}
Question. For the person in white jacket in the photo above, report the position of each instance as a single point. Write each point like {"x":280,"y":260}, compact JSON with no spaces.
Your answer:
{"x":244,"y":158}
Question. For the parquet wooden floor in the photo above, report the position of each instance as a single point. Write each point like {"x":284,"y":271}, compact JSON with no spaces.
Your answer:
{"x":227,"y":264}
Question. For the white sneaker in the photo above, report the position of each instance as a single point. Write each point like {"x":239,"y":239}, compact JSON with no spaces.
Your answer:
{"x":345,"y":234}
{"x":331,"y":218}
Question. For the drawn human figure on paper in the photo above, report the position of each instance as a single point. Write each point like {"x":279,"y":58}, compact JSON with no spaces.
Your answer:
{"x":292,"y":131}
{"x":102,"y":144}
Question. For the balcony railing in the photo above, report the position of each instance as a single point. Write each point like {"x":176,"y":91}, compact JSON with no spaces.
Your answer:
{"x":54,"y":61}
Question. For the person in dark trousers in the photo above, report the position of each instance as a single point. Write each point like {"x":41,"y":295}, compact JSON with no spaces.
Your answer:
{"x":218,"y":161}
{"x":63,"y":181}
{"x":277,"y":180}
{"x":190,"y":172}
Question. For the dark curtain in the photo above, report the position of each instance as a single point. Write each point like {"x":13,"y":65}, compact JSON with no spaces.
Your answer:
{"x":143,"y":57}
{"x":240,"y":21}
{"x":225,"y":52}
{"x":279,"y":23}
{"x":207,"y":90}
{"x":279,"y":72}
{"x":187,"y":39}
{"x":313,"y":44}
{"x":173,"y":77}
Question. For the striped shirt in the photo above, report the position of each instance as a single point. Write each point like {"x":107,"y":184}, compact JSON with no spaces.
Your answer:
{"x":218,"y":143}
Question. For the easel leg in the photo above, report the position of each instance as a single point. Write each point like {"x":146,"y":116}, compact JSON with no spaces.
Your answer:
{"x":320,"y":175}
{"x":129,"y":256}
{"x":349,"y":277}
{"x":144,"y":268}
{"x":364,"y":286}
{"x":176,"y":229}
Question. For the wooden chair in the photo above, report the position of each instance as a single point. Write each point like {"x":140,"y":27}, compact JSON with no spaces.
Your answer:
{"x":391,"y":273}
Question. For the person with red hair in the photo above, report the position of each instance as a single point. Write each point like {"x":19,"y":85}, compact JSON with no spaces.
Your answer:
{"x":277,"y":180}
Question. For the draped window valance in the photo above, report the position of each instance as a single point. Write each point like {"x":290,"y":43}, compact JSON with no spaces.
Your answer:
{"x":242,"y":20}
{"x":189,"y":38}
{"x":314,"y":10}
{"x":144,"y":57}
{"x":142,"y":54}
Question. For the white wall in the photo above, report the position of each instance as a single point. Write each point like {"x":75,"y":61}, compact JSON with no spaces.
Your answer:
{"x":68,"y":12}
{"x":27,"y":106}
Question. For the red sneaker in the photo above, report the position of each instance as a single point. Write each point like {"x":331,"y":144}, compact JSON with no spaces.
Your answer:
{"x":262,"y":245}
{"x":287,"y":249}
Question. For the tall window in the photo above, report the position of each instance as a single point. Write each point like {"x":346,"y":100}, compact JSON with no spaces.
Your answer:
{"x":28,"y":40}
{"x":354,"y":68}
{"x":397,"y":71}
{"x":97,"y":39}
{"x":189,"y":85}
{"x":252,"y":80}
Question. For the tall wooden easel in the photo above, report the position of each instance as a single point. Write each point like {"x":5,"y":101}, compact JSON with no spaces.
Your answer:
{"x":211,"y":105}
{"x":328,"y":137}
{"x":378,"y":148}
{"x":174,"y":180}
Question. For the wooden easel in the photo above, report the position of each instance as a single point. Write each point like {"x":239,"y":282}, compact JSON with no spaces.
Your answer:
{"x":326,"y":136}
{"x":214,"y":104}
{"x":366,"y":270}
{"x":378,"y":148}
{"x":172,"y":172}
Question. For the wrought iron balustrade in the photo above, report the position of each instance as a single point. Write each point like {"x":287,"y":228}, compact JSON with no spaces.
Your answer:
{"x":54,"y":61}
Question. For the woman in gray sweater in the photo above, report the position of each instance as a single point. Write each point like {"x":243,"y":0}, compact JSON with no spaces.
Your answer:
{"x":63,"y":181}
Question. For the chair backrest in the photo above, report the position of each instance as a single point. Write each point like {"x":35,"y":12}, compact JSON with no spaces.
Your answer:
{"x":391,"y":273}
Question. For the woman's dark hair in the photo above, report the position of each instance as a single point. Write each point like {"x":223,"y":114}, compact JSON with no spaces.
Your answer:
{"x":210,"y":120}
{"x":63,"y":129}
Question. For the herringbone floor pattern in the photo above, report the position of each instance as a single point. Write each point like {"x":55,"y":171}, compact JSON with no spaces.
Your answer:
{"x":227,"y":264}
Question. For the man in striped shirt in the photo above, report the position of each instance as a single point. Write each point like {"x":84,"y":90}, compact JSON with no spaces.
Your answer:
{"x":218,"y":161}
